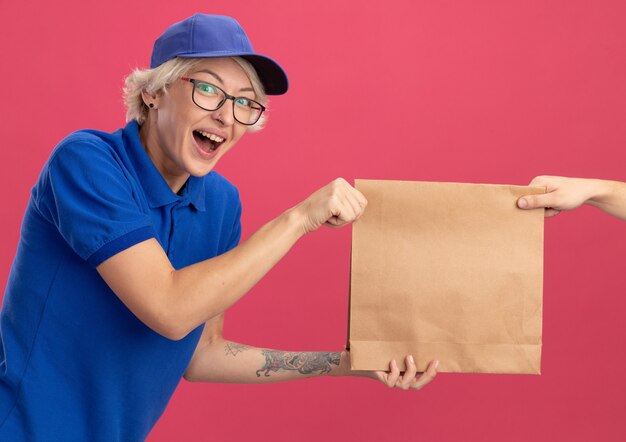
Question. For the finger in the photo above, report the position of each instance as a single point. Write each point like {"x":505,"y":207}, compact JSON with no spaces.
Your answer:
{"x":407,"y":379}
{"x":355,"y":198}
{"x":353,"y":192}
{"x":536,"y":201}
{"x":394,"y":374}
{"x":540,"y":180}
{"x":378,"y":375}
{"x":359,"y":197}
{"x":351,"y":198}
{"x":334,"y":223}
{"x":340,"y":210}
{"x":348,"y":204}
{"x":427,"y":376}
{"x":381,"y":376}
{"x":345,"y":212}
{"x":551,"y":212}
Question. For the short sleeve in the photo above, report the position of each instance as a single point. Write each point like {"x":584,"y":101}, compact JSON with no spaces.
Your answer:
{"x":235,"y":235}
{"x":85,"y":191}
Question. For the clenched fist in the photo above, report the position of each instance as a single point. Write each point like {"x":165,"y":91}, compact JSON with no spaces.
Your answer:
{"x":334,"y":205}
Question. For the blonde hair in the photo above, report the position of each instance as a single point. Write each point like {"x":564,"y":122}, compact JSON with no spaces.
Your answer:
{"x":158,"y":79}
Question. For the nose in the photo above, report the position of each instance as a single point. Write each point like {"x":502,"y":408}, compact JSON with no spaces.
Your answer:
{"x":226,"y":113}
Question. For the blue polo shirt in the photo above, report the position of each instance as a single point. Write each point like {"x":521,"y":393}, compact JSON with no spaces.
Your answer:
{"x":75,"y":363}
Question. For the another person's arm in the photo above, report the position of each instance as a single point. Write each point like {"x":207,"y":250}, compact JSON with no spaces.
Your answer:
{"x":174,"y":302}
{"x":570,"y":193}
{"x":219,"y":360}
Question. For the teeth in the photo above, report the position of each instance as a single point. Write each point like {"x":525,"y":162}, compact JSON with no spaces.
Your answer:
{"x":212,"y":137}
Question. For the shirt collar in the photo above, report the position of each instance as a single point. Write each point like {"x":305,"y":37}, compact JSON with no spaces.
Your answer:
{"x":158,"y":192}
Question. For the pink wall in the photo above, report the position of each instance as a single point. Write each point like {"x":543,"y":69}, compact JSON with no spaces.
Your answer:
{"x":466,"y":91}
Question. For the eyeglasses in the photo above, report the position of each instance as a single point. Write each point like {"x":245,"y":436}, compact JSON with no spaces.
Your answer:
{"x":209,"y":97}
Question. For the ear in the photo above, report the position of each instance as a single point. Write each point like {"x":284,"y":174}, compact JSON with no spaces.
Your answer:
{"x":151,"y":100}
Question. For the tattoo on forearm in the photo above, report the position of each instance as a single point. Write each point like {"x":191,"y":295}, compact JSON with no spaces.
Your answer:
{"x":232,"y":348}
{"x":303,"y":362}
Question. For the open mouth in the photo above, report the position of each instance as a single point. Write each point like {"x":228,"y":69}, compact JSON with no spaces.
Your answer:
{"x":207,"y":142}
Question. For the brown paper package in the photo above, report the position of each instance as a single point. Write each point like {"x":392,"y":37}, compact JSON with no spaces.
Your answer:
{"x":446,"y":271}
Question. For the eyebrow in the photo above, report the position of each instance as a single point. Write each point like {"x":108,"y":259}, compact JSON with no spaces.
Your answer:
{"x":245,"y":89}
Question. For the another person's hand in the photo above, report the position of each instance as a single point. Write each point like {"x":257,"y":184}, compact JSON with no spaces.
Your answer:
{"x":334,"y":205}
{"x":562,"y":194}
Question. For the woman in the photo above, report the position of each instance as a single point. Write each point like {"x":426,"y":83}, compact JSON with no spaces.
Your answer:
{"x":128,"y":256}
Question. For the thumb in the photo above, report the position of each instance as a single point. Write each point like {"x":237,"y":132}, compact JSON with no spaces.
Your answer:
{"x":535,"y":201}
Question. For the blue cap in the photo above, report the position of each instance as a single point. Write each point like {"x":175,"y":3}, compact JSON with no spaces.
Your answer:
{"x":212,"y":36}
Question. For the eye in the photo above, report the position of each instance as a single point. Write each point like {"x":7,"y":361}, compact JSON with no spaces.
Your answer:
{"x":243,"y":102}
{"x":207,"y":88}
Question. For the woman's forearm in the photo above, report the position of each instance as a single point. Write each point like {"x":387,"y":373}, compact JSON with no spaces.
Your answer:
{"x":230,"y":362}
{"x":208,"y":288}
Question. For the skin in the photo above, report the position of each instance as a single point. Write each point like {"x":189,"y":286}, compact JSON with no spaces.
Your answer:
{"x":570,"y":193}
{"x":174,"y":302}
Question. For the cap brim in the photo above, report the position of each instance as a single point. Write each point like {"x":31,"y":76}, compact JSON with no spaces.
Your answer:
{"x":272,"y":76}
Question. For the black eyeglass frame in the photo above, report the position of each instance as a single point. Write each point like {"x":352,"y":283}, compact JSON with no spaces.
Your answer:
{"x":227,"y":96}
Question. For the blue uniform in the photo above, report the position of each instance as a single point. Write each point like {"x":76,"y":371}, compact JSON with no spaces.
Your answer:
{"x":75,"y":363}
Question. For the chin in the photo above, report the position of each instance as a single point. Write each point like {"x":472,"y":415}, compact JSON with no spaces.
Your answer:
{"x":200,"y":170}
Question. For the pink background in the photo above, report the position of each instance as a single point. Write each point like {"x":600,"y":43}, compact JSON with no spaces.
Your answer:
{"x":466,"y":91}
